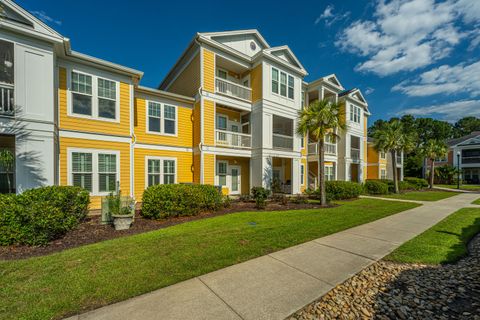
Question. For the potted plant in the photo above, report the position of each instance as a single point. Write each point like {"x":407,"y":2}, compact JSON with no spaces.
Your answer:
{"x":121,"y":210}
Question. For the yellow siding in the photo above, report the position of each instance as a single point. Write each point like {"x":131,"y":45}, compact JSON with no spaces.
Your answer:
{"x":372,"y":154}
{"x":232,"y":115}
{"x":123,"y":148}
{"x":305,"y":173}
{"x":197,"y":124}
{"x":209,"y":122}
{"x":91,"y":125}
{"x":188,"y":82}
{"x":372,"y":172}
{"x":184,"y":136}
{"x":256,"y":81}
{"x":184,"y":165}
{"x":208,"y":70}
{"x":196,"y":168}
{"x":208,"y":169}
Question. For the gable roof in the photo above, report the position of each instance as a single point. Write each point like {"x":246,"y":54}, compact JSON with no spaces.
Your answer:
{"x":356,"y":95}
{"x":253,"y":32}
{"x":464,"y":140}
{"x":292,"y":59}
{"x":331,"y":80}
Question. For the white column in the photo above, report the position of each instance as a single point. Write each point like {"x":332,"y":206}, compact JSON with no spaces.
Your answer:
{"x":295,"y":176}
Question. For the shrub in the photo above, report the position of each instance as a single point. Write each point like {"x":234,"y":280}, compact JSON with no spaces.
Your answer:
{"x":260,"y":195}
{"x":41,"y":215}
{"x":376,"y":187}
{"x":341,"y":190}
{"x":300,"y":199}
{"x":172,"y":200}
{"x":417,"y":183}
{"x":227,"y":202}
{"x":406,"y":186}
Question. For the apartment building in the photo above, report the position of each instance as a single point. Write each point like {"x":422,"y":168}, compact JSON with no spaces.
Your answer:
{"x":225,"y":114}
{"x":380,"y":165}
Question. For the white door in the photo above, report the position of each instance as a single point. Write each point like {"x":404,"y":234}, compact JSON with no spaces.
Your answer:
{"x":235,"y":180}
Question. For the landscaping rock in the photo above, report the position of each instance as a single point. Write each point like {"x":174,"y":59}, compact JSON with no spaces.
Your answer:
{"x":387,"y":290}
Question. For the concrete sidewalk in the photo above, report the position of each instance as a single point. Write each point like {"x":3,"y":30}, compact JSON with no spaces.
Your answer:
{"x":277,"y":285}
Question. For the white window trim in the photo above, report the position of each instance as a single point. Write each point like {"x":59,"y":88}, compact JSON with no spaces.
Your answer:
{"x":302,"y":177}
{"x":217,"y":176}
{"x":353,"y":109}
{"x":161,"y":168}
{"x":95,"y":173}
{"x":383,"y":155}
{"x":384,"y":176}
{"x":279,"y":84}
{"x":95,"y":97}
{"x":162,"y":119}
{"x":221,"y":115}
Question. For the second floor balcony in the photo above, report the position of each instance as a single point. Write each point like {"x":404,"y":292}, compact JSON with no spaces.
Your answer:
{"x":7,"y":106}
{"x":232,"y":139}
{"x":233,"y":89}
{"x":329,"y":148}
{"x":281,"y":141}
{"x":355,"y":154}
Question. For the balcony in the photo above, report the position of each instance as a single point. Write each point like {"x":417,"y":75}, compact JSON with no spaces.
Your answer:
{"x":330,"y":148}
{"x":281,"y":141}
{"x":7,"y":106}
{"x":232,"y":139}
{"x":355,"y":154}
{"x":233,"y":89}
{"x":470,"y":160}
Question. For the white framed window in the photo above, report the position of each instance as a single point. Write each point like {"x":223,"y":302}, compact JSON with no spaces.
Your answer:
{"x":329,"y":173}
{"x":161,"y":118}
{"x":222,"y":74}
{"x":283,"y":84}
{"x":160,"y":170}
{"x":355,"y":113}
{"x":291,"y":84}
{"x":274,"y":80}
{"x":222,"y":122}
{"x":98,"y":171}
{"x":222,"y":168}
{"x":93,"y":97}
{"x":383,"y":174}
{"x":383,"y":155}
{"x":302,"y":174}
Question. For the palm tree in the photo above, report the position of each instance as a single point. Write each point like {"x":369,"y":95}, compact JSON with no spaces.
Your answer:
{"x":433,"y":149}
{"x":7,"y":162}
{"x":391,"y":137}
{"x":319,"y":119}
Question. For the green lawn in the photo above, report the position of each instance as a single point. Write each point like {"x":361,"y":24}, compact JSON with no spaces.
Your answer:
{"x":422,"y":195}
{"x":443,"y":243}
{"x":94,"y":275}
{"x":469,"y":187}
{"x":476,"y":201}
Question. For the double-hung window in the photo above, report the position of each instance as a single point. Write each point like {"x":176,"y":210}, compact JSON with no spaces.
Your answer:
{"x":161,"y":118}
{"x":82,"y":95}
{"x":94,"y":170}
{"x":161,"y":171}
{"x":329,"y":173}
{"x":107,"y":98}
{"x":93,"y":96}
{"x":383,"y":155}
{"x":383,"y":174}
{"x":355,"y":114}
{"x":302,"y":174}
{"x":222,"y":173}
{"x":283,"y":84}
{"x":274,"y":80}
{"x":291,"y":83}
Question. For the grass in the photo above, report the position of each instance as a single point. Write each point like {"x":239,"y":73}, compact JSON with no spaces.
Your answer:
{"x":422,"y":195}
{"x":469,"y":187}
{"x":446,"y":242}
{"x":476,"y":201}
{"x":83,"y":278}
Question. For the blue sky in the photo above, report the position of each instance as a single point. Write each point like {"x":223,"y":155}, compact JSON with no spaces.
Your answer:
{"x":415,"y":56}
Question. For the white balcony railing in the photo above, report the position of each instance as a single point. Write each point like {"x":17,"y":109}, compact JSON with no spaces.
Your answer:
{"x":355,"y":154}
{"x":330,"y":148}
{"x":6,"y":102}
{"x":233,"y":139}
{"x":281,"y":141}
{"x":233,"y":89}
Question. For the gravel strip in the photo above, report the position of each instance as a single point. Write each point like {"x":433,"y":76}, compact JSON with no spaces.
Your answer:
{"x":387,"y":290}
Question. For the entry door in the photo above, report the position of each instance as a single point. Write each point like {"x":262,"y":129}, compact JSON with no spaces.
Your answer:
{"x":235,"y":181}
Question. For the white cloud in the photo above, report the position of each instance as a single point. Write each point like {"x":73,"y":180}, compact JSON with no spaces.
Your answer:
{"x":451,"y":111}
{"x":461,"y":78}
{"x":405,"y":35}
{"x":42,"y":15}
{"x":329,"y":17}
{"x":369,"y":90}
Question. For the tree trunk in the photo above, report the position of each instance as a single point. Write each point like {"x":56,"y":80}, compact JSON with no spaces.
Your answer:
{"x":321,"y":171}
{"x":9,"y":184}
{"x":432,"y":172}
{"x":394,"y":164}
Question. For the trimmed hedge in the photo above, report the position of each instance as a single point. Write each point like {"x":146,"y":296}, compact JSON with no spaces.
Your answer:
{"x":40,"y":215}
{"x":173,"y":200}
{"x":342,"y":190}
{"x":376,"y":187}
{"x":417,"y":183}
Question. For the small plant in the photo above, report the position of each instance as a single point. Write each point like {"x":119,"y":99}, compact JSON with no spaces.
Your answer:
{"x":7,"y":162}
{"x":375,"y":187}
{"x":276,"y":186}
{"x":227,"y":202}
{"x":284,"y":200}
{"x":300,"y":199}
{"x":260,"y":195}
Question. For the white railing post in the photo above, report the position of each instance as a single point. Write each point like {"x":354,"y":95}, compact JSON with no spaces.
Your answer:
{"x":6,"y":102}
{"x":233,"y":139}
{"x":233,"y":89}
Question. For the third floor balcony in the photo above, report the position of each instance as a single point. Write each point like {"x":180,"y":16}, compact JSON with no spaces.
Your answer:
{"x":233,"y":89}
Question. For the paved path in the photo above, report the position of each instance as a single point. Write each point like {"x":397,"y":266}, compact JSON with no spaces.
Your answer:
{"x":455,"y":190}
{"x":277,"y":285}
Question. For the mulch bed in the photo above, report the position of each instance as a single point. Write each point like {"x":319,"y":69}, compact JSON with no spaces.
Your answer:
{"x":91,"y":231}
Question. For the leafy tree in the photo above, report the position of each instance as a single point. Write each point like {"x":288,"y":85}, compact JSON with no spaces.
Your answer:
{"x":391,"y":137}
{"x":466,"y":126}
{"x":319,"y":119}
{"x":432,"y":150}
{"x":7,"y":162}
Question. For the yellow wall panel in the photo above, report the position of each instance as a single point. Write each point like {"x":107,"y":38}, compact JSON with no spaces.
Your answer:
{"x":184,"y":136}
{"x":196,"y":168}
{"x":256,"y":82}
{"x":184,"y":167}
{"x":208,"y":122}
{"x":123,"y":148}
{"x":208,"y":70}
{"x":208,"y":169}
{"x":231,"y":114}
{"x":372,"y":172}
{"x":197,"y":124}
{"x":121,"y":128}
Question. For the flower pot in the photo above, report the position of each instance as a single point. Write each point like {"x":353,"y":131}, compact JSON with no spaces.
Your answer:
{"x":122,"y":222}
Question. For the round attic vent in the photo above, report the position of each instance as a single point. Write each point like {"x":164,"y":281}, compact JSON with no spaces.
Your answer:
{"x":253,"y":46}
